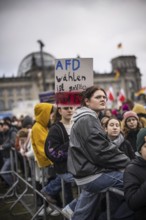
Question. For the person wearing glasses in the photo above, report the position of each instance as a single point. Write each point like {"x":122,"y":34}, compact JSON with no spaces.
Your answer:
{"x":95,"y":162}
{"x":56,"y":147}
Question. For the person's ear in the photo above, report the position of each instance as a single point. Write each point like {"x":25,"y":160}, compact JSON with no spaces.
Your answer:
{"x":86,"y":101}
{"x":60,"y":111}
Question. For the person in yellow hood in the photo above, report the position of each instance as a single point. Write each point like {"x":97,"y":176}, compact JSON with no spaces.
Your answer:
{"x":42,"y":112}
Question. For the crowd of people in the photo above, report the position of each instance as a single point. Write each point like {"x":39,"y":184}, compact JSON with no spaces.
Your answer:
{"x":89,"y":146}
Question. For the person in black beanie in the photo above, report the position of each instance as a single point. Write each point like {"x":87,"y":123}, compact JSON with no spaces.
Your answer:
{"x":27,"y":122}
{"x":135,"y":179}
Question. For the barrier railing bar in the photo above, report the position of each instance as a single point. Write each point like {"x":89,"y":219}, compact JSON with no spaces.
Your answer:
{"x":32,"y":186}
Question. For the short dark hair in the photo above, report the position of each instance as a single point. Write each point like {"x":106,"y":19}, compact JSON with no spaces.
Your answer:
{"x":87,"y":94}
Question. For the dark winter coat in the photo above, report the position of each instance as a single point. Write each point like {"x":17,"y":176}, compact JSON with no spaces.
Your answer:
{"x":56,"y":147}
{"x":9,"y":141}
{"x":127,"y":149}
{"x":124,"y":146}
{"x":135,"y":187}
{"x":131,"y":137}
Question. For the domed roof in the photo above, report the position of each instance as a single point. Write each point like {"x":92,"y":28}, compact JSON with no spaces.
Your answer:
{"x":33,"y":60}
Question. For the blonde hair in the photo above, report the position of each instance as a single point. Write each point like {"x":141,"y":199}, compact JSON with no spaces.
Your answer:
{"x":23,"y":132}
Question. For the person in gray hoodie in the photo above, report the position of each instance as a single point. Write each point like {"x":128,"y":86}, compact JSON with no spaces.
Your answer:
{"x":95,"y":162}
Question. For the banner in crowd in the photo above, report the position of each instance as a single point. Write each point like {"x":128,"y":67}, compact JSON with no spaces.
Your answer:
{"x":48,"y":96}
{"x":72,"y":76}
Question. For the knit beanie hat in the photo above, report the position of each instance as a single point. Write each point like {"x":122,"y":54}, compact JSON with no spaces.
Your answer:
{"x":128,"y":114}
{"x":27,"y":121}
{"x":141,"y":138}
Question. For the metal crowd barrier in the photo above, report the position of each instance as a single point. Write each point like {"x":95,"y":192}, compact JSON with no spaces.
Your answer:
{"x":19,"y":196}
{"x":113,"y":190}
{"x":13,"y":190}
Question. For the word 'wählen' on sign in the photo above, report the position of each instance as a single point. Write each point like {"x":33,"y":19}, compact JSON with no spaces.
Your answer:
{"x":70,"y":77}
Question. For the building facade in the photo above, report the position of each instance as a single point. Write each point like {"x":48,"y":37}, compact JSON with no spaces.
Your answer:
{"x":33,"y":78}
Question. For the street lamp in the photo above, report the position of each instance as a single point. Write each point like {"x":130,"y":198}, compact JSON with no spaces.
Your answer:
{"x":42,"y":63}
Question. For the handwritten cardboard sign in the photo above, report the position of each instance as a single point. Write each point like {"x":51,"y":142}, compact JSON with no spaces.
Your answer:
{"x":72,"y":76}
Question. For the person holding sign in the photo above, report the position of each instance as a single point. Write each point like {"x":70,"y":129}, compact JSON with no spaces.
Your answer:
{"x":95,"y":162}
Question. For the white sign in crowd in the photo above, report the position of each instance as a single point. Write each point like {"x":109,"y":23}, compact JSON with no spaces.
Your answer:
{"x":73,"y":74}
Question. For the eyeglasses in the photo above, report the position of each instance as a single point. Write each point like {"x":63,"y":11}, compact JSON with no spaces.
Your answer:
{"x":67,"y":108}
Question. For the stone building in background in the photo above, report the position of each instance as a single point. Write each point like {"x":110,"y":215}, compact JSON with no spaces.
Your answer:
{"x":33,"y":78}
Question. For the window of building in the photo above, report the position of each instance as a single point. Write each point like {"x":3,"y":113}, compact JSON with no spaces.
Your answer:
{"x":27,"y":91}
{"x":20,"y":100}
{"x":2,"y":105}
{"x":10,"y":92}
{"x":10,"y":104}
{"x":19,"y":91}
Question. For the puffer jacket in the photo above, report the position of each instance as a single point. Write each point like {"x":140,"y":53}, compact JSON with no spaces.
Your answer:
{"x":40,"y":131}
{"x":90,"y":151}
{"x":135,"y":187}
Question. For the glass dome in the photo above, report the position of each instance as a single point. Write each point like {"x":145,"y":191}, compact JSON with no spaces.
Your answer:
{"x":33,"y":60}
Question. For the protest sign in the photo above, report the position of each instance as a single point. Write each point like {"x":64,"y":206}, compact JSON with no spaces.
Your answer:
{"x":72,"y":76}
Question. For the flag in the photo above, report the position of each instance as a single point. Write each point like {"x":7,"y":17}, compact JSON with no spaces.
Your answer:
{"x":110,"y":94}
{"x":117,"y":74}
{"x":119,"y":45}
{"x":121,"y":96}
{"x":142,"y":91}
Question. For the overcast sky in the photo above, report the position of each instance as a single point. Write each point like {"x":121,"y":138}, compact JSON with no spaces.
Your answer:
{"x":89,"y":28}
